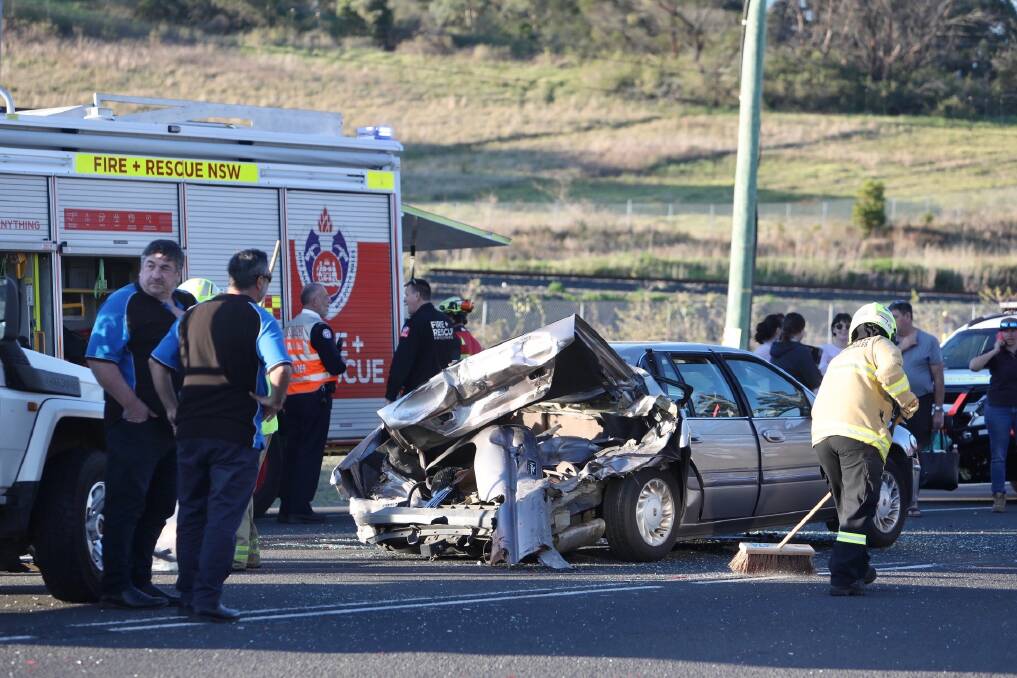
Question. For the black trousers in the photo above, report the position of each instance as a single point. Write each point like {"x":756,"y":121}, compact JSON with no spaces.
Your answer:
{"x":854,"y":470}
{"x":141,"y":491}
{"x":920,"y":425}
{"x":216,"y":481}
{"x":306,"y":430}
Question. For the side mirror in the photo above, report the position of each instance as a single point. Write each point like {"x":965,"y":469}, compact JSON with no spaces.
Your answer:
{"x":686,"y":394}
{"x":11,"y":309}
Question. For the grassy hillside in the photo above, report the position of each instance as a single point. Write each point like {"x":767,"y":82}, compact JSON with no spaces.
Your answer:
{"x":545,"y":152}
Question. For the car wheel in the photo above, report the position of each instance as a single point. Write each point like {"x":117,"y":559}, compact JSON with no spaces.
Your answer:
{"x":642,"y":511}
{"x":266,"y":491}
{"x":67,"y":525}
{"x":891,"y":508}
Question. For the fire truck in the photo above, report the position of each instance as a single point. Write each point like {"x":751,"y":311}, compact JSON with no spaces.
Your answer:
{"x":84,"y":188}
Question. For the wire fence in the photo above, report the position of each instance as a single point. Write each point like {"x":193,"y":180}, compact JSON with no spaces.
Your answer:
{"x":690,"y":317}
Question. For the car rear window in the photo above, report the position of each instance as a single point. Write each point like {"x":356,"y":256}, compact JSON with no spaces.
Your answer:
{"x":963,"y":346}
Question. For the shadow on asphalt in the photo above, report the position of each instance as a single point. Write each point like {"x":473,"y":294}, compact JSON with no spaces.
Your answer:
{"x":780,"y":624}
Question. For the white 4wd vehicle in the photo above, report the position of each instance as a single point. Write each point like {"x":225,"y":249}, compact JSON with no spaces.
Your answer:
{"x":51,"y":462}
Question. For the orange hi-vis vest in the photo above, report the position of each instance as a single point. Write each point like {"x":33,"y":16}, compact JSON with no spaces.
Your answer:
{"x":309,"y":373}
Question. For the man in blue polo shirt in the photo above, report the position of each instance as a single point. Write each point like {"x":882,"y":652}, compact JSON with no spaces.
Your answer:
{"x":141,"y":453}
{"x":224,"y":348}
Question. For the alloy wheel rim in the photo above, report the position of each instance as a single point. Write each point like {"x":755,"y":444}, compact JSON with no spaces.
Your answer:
{"x":889,"y":507}
{"x":94,"y":504}
{"x":655,"y":512}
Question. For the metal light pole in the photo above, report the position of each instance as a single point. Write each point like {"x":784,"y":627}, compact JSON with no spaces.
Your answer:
{"x":1,"y":38}
{"x":743,"y":225}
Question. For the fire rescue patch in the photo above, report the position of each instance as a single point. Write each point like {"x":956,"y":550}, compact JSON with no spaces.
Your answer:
{"x":334,"y":268}
{"x":327,"y":333}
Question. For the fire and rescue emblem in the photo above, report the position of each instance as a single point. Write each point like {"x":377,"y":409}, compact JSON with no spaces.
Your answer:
{"x":335,"y":268}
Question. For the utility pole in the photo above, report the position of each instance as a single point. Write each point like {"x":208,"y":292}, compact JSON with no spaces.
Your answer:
{"x":1,"y":38}
{"x":743,"y":223}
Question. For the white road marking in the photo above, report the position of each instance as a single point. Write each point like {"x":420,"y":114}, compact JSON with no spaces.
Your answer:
{"x":739,"y":579}
{"x":881,"y":569}
{"x":11,"y":639}
{"x":954,"y":508}
{"x":329,"y":606}
{"x":509,"y":596}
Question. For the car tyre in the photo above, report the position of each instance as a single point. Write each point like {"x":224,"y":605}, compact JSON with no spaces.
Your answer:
{"x":67,"y":525}
{"x":642,"y":511}
{"x":891,"y":510}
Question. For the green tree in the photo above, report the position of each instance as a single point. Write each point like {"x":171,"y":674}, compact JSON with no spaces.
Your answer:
{"x":366,"y":17}
{"x":869,"y":211}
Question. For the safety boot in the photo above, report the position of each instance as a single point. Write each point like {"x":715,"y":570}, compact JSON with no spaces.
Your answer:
{"x":856,"y":588}
{"x":998,"y":502}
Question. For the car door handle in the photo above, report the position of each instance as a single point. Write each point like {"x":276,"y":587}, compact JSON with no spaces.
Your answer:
{"x":695,"y":439}
{"x":774,"y":436}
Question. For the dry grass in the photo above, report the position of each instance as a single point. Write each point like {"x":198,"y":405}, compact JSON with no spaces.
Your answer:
{"x":497,"y":143}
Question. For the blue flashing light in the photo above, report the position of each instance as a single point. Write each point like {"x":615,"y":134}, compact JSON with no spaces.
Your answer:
{"x":375,"y":132}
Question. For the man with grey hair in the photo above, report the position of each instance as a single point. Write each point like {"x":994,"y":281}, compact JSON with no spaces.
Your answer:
{"x":141,"y":466}
{"x":317,"y":364}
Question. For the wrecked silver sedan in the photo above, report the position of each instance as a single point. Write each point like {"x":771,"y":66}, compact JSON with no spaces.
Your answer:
{"x":530,"y":449}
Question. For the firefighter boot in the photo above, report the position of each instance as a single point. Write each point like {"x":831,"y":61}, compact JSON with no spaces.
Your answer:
{"x":254,"y":554}
{"x":241,"y":554}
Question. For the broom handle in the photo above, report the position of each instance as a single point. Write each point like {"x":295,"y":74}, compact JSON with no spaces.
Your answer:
{"x":804,"y":520}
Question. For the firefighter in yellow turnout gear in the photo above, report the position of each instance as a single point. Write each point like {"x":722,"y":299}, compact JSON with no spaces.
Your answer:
{"x":851,"y":437}
{"x":247,"y":552}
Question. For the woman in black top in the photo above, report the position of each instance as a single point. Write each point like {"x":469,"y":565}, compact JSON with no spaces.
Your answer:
{"x":1001,"y":408}
{"x":794,"y":357}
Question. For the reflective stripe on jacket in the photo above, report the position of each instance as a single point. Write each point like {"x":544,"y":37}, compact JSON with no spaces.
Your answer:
{"x":309,"y":373}
{"x":854,"y":399}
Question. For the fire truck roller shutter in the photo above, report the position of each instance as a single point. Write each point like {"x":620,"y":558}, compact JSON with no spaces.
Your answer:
{"x":224,"y":219}
{"x":24,"y":212}
{"x":115,"y":217}
{"x":343,"y":240}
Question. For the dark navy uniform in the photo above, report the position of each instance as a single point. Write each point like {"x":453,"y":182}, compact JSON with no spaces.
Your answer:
{"x":427,"y":346}
{"x":223,"y":348}
{"x":141,"y":458}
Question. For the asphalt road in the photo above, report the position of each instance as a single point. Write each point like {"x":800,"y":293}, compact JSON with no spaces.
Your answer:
{"x":325,"y":605}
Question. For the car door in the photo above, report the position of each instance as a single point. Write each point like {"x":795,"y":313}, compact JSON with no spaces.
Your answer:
{"x":723,"y":443}
{"x":780,"y":410}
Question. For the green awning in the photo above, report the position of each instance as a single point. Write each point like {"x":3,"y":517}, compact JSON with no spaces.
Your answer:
{"x":429,"y":231}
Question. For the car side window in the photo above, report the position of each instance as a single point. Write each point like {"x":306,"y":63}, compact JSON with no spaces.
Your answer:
{"x":769,"y":393}
{"x":711,"y":394}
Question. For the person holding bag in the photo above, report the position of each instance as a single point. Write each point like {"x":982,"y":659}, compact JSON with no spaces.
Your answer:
{"x":1001,"y":408}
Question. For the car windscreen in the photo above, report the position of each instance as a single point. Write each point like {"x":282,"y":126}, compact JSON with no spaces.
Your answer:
{"x":963,"y":346}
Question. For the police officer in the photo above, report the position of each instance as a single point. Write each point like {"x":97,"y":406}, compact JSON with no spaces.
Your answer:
{"x":457,"y":309}
{"x":317,"y":362}
{"x":228,"y":350}
{"x":427,"y":344}
{"x":141,"y":453}
{"x":850,"y":435}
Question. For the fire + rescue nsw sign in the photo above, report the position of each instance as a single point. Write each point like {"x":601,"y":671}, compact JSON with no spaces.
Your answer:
{"x":357,"y":276}
{"x":139,"y":167}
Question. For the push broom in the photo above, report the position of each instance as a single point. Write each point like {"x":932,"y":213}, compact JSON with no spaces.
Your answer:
{"x":778,"y":558}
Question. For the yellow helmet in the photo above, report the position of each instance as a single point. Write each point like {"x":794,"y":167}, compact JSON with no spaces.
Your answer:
{"x":201,"y":289}
{"x":876,"y":314}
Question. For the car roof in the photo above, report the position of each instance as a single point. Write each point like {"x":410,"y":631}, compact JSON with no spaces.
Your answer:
{"x":985,"y":322}
{"x":623,"y":347}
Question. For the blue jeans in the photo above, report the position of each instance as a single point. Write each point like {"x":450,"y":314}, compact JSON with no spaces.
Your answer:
{"x":1000,"y":420}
